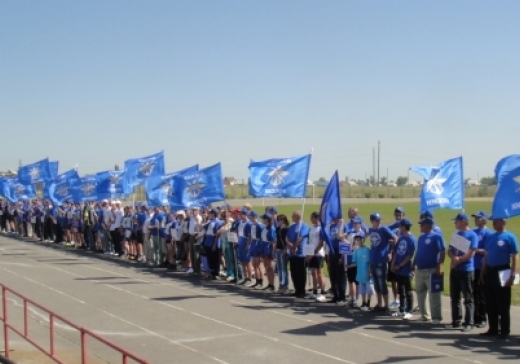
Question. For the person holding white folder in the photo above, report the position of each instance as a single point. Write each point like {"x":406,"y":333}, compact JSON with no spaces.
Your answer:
{"x":499,"y":270}
{"x":463,"y":245}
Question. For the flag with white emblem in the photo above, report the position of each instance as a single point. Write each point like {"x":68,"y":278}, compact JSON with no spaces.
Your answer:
{"x":330,"y":209}
{"x":35,"y":172}
{"x":61,"y":188}
{"x":160,"y":190}
{"x":198,"y":189}
{"x":111,"y":184}
{"x":138,"y":170}
{"x":13,"y":191}
{"x":279,"y":177}
{"x":86,"y":190}
{"x":443,"y":185}
{"x":506,"y":202}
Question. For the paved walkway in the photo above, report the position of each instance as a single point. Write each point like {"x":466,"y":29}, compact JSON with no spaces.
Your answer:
{"x":173,"y":318}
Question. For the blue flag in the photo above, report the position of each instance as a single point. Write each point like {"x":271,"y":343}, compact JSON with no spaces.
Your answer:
{"x":506,"y":202}
{"x":111,"y":184}
{"x":280,"y":177}
{"x":86,"y":190}
{"x":443,"y":185}
{"x":160,"y":190}
{"x":53,"y":166}
{"x":138,"y":170}
{"x":330,"y":209}
{"x":198,"y":189}
{"x":36,"y":172}
{"x":61,"y":188}
{"x":13,"y":191}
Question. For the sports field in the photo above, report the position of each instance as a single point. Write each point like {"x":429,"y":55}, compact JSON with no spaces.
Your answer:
{"x":442,"y":219}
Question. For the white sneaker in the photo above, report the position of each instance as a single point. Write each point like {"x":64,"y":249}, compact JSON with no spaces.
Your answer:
{"x":365,"y":308}
{"x":321,"y":298}
{"x":340,"y":303}
{"x":311,"y":296}
{"x":436,"y":322}
{"x":249,"y":284}
{"x":407,"y":316}
{"x":394,"y":304}
{"x":398,"y":314}
{"x":189,"y":271}
{"x":229,"y":279}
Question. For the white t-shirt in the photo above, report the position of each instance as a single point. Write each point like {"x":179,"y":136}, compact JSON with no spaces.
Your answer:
{"x":146,"y":224}
{"x":107,"y":216}
{"x":195,"y":222}
{"x":118,"y":216}
{"x":314,"y":239}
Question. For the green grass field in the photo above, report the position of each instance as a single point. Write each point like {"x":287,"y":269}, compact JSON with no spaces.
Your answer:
{"x":442,"y":219}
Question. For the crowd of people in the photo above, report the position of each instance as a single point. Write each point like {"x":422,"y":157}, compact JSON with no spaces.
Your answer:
{"x":265,"y":251}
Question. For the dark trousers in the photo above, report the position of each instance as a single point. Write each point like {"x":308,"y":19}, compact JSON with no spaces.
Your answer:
{"x":3,"y":221}
{"x":213,"y":260}
{"x":25,"y":229}
{"x":338,"y":282}
{"x":194,"y":252}
{"x":59,"y":234}
{"x":404,"y":287}
{"x":89,"y":238}
{"x":116,"y":240}
{"x":38,"y":229}
{"x":480,"y":299}
{"x":461,"y":283}
{"x":298,"y":274}
{"x":498,"y":301}
{"x":48,"y":230}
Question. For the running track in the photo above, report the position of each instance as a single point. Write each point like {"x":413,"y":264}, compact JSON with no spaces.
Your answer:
{"x":174,"y":318}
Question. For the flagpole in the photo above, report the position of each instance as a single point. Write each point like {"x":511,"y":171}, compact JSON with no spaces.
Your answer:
{"x":303,"y":215}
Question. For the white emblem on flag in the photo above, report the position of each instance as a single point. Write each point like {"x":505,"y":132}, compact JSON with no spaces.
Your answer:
{"x":276,"y":176}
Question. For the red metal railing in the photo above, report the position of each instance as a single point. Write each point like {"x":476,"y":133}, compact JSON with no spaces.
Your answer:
{"x":51,"y":352}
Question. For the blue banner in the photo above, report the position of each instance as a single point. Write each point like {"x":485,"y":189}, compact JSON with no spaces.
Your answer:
{"x":111,"y":184}
{"x":53,"y":166}
{"x":86,"y":190}
{"x":35,"y":172}
{"x":160,"y":190}
{"x":138,"y":170}
{"x":506,"y":202}
{"x":13,"y":191}
{"x":61,"y":188}
{"x":280,"y":177}
{"x":330,"y":209}
{"x":198,"y":189}
{"x":443,"y":185}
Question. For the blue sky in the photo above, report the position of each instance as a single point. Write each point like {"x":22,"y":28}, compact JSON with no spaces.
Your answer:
{"x":97,"y":82}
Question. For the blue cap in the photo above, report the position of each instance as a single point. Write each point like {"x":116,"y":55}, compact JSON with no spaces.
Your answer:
{"x":357,"y":220}
{"x":253,"y":213}
{"x":244,"y":211}
{"x":405,"y":222}
{"x":214,"y":212}
{"x":426,"y":213}
{"x":461,"y":217}
{"x":267,"y":217}
{"x":359,"y":234}
{"x":427,"y":221}
{"x":375,"y":217}
{"x":481,"y":214}
{"x":272,"y":210}
{"x":399,"y":209}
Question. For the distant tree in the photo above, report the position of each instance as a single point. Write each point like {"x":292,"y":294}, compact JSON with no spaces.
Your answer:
{"x":401,"y":181}
{"x":488,"y":181}
{"x":322,"y":179}
{"x":383,"y":181}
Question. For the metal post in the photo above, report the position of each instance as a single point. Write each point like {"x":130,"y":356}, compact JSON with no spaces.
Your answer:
{"x":51,"y":328}
{"x":83,"y":347}
{"x":25,"y":321}
{"x":6,"y":328}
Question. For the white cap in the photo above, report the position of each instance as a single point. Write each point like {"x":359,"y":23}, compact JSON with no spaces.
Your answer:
{"x":118,"y":202}
{"x":104,"y":201}
{"x":181,"y":213}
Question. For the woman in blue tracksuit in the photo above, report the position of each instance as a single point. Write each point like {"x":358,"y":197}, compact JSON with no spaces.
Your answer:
{"x":267,"y":245}
{"x":254,"y":249}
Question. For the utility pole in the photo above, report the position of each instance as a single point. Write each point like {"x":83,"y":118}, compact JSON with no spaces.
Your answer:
{"x":378,"y":160}
{"x":374,"y":163}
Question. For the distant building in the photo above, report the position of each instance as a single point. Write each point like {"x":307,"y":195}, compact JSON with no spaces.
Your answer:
{"x":473,"y":182}
{"x":8,"y":173}
{"x":229,"y":181}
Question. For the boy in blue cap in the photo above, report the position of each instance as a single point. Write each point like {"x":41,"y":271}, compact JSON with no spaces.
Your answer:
{"x":402,"y":267}
{"x":462,"y":275}
{"x":429,"y":259}
{"x":478,"y":288}
{"x":501,"y":256}
{"x":399,"y":214}
{"x":361,"y":260}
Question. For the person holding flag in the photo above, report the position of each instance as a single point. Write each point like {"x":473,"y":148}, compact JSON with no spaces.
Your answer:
{"x":483,"y":234}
